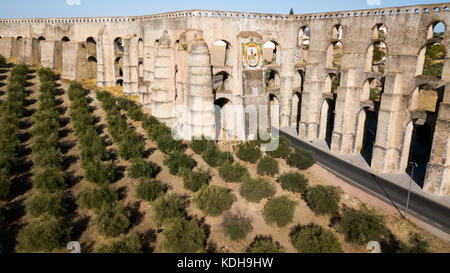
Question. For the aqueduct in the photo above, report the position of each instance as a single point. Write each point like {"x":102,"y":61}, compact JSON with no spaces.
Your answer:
{"x":361,"y":80}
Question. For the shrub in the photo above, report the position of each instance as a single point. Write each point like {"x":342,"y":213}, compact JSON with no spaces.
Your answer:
{"x":194,"y":180}
{"x":199,"y":145}
{"x":149,"y":189}
{"x":301,"y":159}
{"x":362,"y":226}
{"x":96,"y":198}
{"x":323,"y":199}
{"x":2,"y":61}
{"x":294,"y":182}
{"x":249,"y":151}
{"x":178,"y":161}
{"x":47,"y":203}
{"x":214,"y":157}
{"x":268,"y":166}
{"x":50,"y":180}
{"x":214,"y":200}
{"x":264,"y":244}
{"x":43,"y":235}
{"x":254,"y":190}
{"x":416,"y":245}
{"x":279,"y":210}
{"x":283,"y":150}
{"x":167,"y":144}
{"x":233,"y":172}
{"x":314,"y":239}
{"x":112,"y":221}
{"x":5,"y":184}
{"x":168,"y":207}
{"x":130,"y":244}
{"x":142,"y":168}
{"x":236,"y":226}
{"x":98,"y":172}
{"x":184,"y":236}
{"x":131,"y":146}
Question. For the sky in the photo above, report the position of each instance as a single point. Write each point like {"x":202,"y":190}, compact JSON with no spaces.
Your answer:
{"x":98,"y":8}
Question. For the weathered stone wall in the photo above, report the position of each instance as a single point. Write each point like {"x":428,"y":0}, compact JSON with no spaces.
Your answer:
{"x":160,"y":53}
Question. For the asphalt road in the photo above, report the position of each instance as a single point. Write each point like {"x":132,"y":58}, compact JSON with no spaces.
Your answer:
{"x":427,"y":210}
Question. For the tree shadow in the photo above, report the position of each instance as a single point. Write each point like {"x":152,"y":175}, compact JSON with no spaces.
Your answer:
{"x":69,"y":161}
{"x":147,"y":153}
{"x":135,"y":215}
{"x":20,"y":185}
{"x":72,"y":179}
{"x":66,"y":146}
{"x":148,"y":238}
{"x":78,"y":228}
{"x":121,"y":193}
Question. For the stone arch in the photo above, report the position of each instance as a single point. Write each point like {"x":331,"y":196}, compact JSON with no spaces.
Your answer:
{"x":379,"y":32}
{"x":272,"y":79}
{"x":327,"y":115}
{"x":119,"y":82}
{"x":272,"y":52}
{"x":436,"y":30}
{"x":224,"y":118}
{"x":41,"y":38}
{"x":299,"y":78}
{"x":303,"y":36}
{"x":371,"y":91}
{"x":118,"y":46}
{"x":376,"y":57}
{"x":296,"y":110}
{"x":430,"y":61}
{"x":337,"y":32}
{"x":274,"y":106}
{"x":65,"y":39}
{"x":221,"y":82}
{"x":332,"y":82}
{"x":221,"y":52}
{"x":140,"y":69}
{"x":92,"y":67}
{"x":334,"y":55}
{"x":118,"y":67}
{"x":140,"y":48}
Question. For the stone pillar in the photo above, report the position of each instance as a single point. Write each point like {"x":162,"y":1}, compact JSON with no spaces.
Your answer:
{"x":126,"y":68}
{"x":163,"y":89}
{"x":437,"y":180}
{"x":200,"y":114}
{"x":6,"y":45}
{"x":133,"y":62}
{"x":100,"y":63}
{"x":287,"y":78}
{"x":48,"y":54}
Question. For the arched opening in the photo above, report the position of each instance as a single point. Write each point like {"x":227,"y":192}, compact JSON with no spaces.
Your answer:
{"x":272,"y":79}
{"x":140,"y":70}
{"x":424,"y":99}
{"x":376,"y":57}
{"x":224,"y":118}
{"x":332,"y":83}
{"x":337,"y":32}
{"x":379,"y":32}
{"x":118,"y":46}
{"x":221,"y":82}
{"x":41,"y":38}
{"x":65,"y":39}
{"x":272,"y":53}
{"x":221,"y":53}
{"x":298,"y":80}
{"x":119,"y":83}
{"x":371,"y":91}
{"x":274,"y":106}
{"x":436,"y":30}
{"x":431,"y":60}
{"x":118,"y":67}
{"x":327,"y":115}
{"x":334,"y":55}
{"x":140,"y":48}
{"x":92,"y":67}
{"x":303,"y":44}
{"x":296,"y":110}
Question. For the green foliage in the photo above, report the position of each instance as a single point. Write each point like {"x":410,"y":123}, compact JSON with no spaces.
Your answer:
{"x":268,"y":166}
{"x":142,"y":168}
{"x":236,"y":226}
{"x":362,"y":226}
{"x":294,"y":182}
{"x":43,"y":235}
{"x":378,"y":54}
{"x":168,"y":207}
{"x":129,"y":244}
{"x":134,"y":111}
{"x":254,"y":190}
{"x":433,"y":65}
{"x":131,"y":146}
{"x":301,"y":159}
{"x":283,"y":150}
{"x":194,"y":180}
{"x":167,"y":144}
{"x":214,"y":157}
{"x":214,"y":200}
{"x":5,"y":184}
{"x":177,"y":161}
{"x":249,"y":151}
{"x":112,"y":221}
{"x":323,"y":199}
{"x":264,"y":244}
{"x":416,"y":245}
{"x":374,"y":94}
{"x":314,"y":239}
{"x":49,"y":180}
{"x":2,"y":61}
{"x":280,"y":210}
{"x":149,"y":189}
{"x":184,"y":236}
{"x":99,"y":172}
{"x":47,"y":203}
{"x":46,"y":75}
{"x":233,"y":172}
{"x":96,"y":198}
{"x":199,"y":145}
